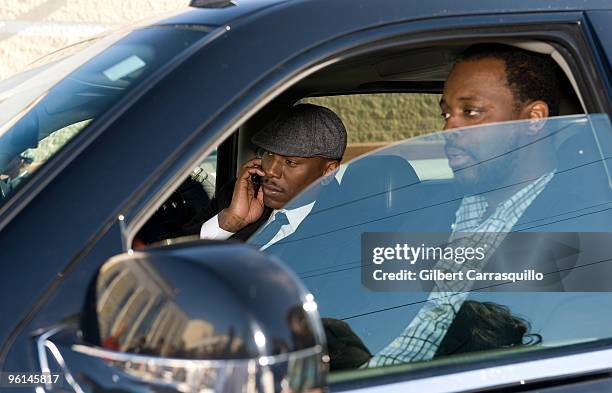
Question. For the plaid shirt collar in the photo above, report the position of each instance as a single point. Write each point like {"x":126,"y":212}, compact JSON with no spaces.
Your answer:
{"x":472,"y":208}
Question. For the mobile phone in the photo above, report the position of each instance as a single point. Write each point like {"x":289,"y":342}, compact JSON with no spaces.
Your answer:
{"x":256,"y":180}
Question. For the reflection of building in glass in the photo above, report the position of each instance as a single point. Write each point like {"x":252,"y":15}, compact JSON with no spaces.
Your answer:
{"x":201,"y":342}
{"x":195,"y":331}
{"x":138,"y":313}
{"x":137,"y":309}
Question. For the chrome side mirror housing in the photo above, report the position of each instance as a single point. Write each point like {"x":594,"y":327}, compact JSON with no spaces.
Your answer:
{"x":191,"y":318}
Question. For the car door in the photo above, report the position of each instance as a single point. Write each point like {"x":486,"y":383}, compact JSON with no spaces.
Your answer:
{"x":327,"y":257}
{"x":349,"y":306}
{"x":334,"y":253}
{"x":328,"y":261}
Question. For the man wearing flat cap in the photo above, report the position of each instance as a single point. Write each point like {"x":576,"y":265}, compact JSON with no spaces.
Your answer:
{"x":298,"y":147}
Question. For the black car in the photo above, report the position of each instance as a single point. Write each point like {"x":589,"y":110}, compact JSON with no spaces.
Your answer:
{"x":110,"y":147}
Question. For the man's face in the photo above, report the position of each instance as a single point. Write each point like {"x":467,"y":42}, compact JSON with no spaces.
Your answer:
{"x":287,"y":176}
{"x":476,"y":93}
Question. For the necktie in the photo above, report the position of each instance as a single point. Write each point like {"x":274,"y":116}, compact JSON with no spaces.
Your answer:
{"x":269,"y":231}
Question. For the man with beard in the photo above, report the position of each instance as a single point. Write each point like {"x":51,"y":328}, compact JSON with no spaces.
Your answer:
{"x":298,"y":147}
{"x":502,"y":174}
{"x":490,"y":84}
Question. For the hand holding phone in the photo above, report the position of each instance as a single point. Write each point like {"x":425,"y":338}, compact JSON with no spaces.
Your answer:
{"x":247,"y":202}
{"x":256,"y":180}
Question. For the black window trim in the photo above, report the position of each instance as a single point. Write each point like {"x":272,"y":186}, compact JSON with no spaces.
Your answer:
{"x":517,"y":370}
{"x":227,"y":153}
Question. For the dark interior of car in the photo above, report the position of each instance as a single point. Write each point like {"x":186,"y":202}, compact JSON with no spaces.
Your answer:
{"x":391,"y":70}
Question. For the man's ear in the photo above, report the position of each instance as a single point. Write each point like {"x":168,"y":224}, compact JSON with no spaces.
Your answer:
{"x":330,"y":166}
{"x":537,"y":112}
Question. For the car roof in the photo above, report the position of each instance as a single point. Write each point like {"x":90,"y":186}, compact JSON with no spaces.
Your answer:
{"x":375,"y":12}
{"x":217,"y":15}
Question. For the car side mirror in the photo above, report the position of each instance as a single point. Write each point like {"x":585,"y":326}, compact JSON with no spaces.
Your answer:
{"x":194,"y":317}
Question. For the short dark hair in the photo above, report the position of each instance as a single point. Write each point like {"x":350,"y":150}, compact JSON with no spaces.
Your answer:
{"x":480,"y":326}
{"x":530,"y":76}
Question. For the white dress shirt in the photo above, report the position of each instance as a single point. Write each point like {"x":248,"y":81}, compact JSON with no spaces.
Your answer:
{"x":211,"y":229}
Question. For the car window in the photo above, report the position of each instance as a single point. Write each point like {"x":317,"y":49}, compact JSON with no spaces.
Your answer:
{"x":53,"y":117}
{"x":549,"y":178}
{"x":181,"y":215}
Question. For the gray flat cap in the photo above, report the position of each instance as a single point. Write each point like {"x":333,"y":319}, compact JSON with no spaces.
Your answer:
{"x":305,"y":130}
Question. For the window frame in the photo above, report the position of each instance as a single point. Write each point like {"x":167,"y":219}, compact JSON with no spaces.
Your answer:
{"x":564,"y":31}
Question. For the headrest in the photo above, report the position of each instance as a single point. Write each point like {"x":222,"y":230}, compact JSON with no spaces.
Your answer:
{"x":378,"y":180}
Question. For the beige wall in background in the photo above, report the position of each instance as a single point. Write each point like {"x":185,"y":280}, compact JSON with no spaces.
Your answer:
{"x":30,"y":29}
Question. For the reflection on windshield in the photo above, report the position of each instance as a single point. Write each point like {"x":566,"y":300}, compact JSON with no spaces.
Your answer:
{"x":548,"y":181}
{"x":41,"y":111}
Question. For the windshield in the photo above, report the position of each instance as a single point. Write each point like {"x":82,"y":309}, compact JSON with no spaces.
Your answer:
{"x":484,"y":239}
{"x":44,"y":108}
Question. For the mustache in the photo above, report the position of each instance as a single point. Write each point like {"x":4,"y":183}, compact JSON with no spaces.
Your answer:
{"x":272,"y":184}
